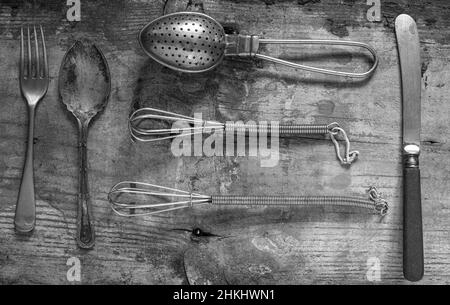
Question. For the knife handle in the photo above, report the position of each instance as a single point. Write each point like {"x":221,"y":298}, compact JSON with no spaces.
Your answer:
{"x":412,"y":224}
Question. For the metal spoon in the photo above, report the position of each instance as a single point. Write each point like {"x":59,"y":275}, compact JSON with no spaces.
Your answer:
{"x":195,"y":42}
{"x":84,"y":86}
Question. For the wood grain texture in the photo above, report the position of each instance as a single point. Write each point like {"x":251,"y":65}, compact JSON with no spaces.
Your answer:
{"x":245,"y":245}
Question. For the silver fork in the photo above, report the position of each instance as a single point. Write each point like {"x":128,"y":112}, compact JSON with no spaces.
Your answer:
{"x":34,"y":79}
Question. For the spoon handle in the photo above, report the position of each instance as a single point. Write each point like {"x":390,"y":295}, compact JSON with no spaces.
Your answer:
{"x":85,"y":230}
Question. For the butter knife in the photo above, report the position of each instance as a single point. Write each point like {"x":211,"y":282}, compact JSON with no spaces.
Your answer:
{"x":409,"y":54}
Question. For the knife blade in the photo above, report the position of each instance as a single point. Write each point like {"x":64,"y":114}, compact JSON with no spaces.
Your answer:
{"x":409,"y":55}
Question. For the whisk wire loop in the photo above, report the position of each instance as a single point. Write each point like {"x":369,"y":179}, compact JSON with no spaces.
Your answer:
{"x":166,"y":195}
{"x":143,"y":134}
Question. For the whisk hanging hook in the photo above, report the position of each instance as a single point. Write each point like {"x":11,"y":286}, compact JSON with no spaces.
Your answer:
{"x":349,"y":156}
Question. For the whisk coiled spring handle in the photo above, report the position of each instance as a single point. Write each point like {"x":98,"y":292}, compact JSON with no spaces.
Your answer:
{"x":376,"y":204}
{"x":282,"y":129}
{"x":332,"y":129}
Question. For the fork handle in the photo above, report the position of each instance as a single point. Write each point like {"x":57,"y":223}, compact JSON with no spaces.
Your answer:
{"x":85,"y":230}
{"x":25,"y":216}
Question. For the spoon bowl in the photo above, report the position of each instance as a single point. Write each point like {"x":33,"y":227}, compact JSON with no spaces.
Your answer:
{"x":84,"y":81}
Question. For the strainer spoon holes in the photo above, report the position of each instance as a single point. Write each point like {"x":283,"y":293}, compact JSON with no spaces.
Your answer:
{"x":196,"y":34}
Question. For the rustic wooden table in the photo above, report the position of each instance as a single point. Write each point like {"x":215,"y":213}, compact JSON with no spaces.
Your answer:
{"x":243,"y":245}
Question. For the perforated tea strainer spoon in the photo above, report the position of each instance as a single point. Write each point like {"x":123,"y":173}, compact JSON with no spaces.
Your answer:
{"x":195,"y":42}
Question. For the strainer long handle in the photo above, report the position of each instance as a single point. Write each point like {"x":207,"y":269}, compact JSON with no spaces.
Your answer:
{"x":320,"y":42}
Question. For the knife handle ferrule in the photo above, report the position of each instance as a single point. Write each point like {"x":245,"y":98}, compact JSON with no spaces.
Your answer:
{"x":411,"y":155}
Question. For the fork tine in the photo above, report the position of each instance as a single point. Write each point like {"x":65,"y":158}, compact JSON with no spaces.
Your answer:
{"x":38,"y":71}
{"x":29,"y":74}
{"x":44,"y":52}
{"x":22,"y":53}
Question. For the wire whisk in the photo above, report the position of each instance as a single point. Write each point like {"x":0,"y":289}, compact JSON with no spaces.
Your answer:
{"x":130,"y":198}
{"x":150,"y":124}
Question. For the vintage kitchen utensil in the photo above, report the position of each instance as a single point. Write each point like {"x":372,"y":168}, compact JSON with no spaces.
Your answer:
{"x":140,"y":130}
{"x":34,"y":79}
{"x":147,"y":199}
{"x":84,"y":86}
{"x":195,"y":42}
{"x":409,"y":54}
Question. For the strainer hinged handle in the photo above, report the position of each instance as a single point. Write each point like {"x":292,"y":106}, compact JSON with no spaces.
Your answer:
{"x":241,"y":45}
